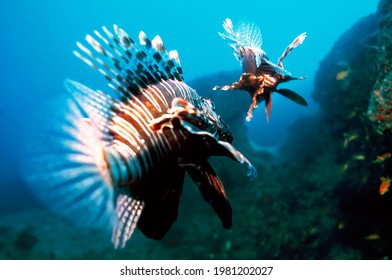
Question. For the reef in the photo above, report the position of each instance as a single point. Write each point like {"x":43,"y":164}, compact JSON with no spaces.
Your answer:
{"x":380,"y":107}
{"x":357,"y":142}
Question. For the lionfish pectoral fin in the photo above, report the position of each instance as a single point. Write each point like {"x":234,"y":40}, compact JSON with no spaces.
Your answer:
{"x":97,"y":105}
{"x":162,"y":204}
{"x":257,"y":97}
{"x":226,"y":149}
{"x":128,"y":211}
{"x":297,"y":41}
{"x":210,"y":187}
{"x":268,"y":106}
{"x":292,"y":96}
{"x":223,"y":88}
{"x":65,"y":163}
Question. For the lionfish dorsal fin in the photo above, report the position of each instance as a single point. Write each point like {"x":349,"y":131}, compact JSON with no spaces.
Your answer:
{"x":128,"y":211}
{"x":127,"y":65}
{"x":270,"y":68}
{"x":246,"y":40}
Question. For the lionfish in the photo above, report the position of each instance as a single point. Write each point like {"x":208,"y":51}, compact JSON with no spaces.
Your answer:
{"x":119,"y":160}
{"x":260,"y":76}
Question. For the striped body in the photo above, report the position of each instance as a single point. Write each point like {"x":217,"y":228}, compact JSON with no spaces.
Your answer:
{"x":132,"y":132}
{"x":147,"y":160}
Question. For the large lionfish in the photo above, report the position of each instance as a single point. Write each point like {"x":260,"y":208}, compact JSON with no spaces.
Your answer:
{"x":121,"y":161}
{"x":260,"y":76}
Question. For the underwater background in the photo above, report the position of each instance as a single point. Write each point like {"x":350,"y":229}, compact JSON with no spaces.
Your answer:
{"x":320,"y":167}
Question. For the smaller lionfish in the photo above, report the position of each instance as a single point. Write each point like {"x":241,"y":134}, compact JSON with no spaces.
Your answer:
{"x":260,"y":76}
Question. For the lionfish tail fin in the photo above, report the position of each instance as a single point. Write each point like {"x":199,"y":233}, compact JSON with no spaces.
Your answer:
{"x":65,"y":164}
{"x":129,"y":66}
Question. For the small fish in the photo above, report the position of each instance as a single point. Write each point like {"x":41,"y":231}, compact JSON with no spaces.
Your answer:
{"x":313,"y":231}
{"x":342,"y":63}
{"x":373,"y":236}
{"x":341,"y":225}
{"x":342,"y":75}
{"x":349,"y":138}
{"x":382,"y":158}
{"x":120,"y":162}
{"x":260,"y":76}
{"x":352,"y":115}
{"x":385,"y":184}
{"x":352,"y":137}
{"x":345,"y":167}
{"x":358,"y":157}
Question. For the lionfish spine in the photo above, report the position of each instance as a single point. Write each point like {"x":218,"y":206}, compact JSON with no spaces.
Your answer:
{"x":68,"y":171}
{"x":101,"y":109}
{"x":243,"y":37}
{"x":128,"y":213}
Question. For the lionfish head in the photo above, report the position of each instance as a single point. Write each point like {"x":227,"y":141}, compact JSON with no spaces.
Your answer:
{"x":222,"y":129}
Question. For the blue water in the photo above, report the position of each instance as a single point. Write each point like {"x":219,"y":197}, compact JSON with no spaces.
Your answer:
{"x":38,"y":38}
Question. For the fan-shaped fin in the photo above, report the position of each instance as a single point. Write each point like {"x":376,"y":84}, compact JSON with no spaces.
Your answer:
{"x":98,"y":106}
{"x":210,"y":187}
{"x":245,"y":39}
{"x":297,"y":41}
{"x":65,"y":166}
{"x":129,"y":66}
{"x":128,"y":211}
{"x":292,"y":96}
{"x":162,"y":202}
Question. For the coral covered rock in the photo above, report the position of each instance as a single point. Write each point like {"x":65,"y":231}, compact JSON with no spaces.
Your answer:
{"x":355,"y":134}
{"x":380,"y":107}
